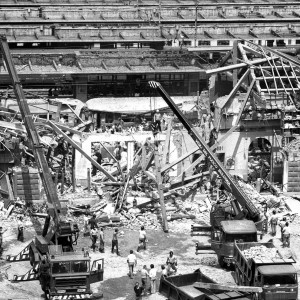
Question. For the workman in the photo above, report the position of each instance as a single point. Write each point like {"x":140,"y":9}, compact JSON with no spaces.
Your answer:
{"x":282,"y":225}
{"x":114,"y":242}
{"x":273,"y":222}
{"x":44,"y":274}
{"x":144,"y":276}
{"x":164,"y":272}
{"x":152,"y":275}
{"x":138,"y":291}
{"x":157,"y":120}
{"x":286,"y":234}
{"x":142,"y":239}
{"x":132,"y":262}
{"x":94,"y":237}
{"x":101,"y":240}
{"x":20,"y":229}
{"x":171,"y":263}
{"x":93,"y":222}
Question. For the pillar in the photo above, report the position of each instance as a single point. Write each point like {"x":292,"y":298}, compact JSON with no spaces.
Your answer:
{"x":130,"y":155}
{"x":81,"y":88}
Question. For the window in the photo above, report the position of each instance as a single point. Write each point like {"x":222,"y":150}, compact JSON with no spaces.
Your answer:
{"x":223,"y":43}
{"x":79,"y":266}
{"x":203,"y":43}
{"x":279,"y":279}
{"x":230,"y":238}
{"x":61,"y":267}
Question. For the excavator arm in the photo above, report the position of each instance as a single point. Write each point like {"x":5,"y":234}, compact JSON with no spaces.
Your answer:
{"x":33,"y":136}
{"x":231,"y":185}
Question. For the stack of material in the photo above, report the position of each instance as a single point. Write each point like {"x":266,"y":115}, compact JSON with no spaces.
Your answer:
{"x":26,"y":183}
{"x":260,"y":252}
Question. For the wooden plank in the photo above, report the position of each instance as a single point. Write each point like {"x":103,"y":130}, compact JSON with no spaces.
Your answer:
{"x":179,"y":159}
{"x":223,"y":287}
{"x":191,"y":166}
{"x":170,"y":192}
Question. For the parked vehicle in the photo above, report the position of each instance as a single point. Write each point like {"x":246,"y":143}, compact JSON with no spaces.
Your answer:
{"x":262,"y":265}
{"x":184,"y":287}
{"x":223,"y":238}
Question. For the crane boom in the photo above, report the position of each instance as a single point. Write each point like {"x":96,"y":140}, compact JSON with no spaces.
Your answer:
{"x":229,"y":182}
{"x":32,"y":133}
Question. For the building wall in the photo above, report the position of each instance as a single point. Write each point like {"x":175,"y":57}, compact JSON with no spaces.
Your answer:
{"x":236,"y":146}
{"x":82,"y":164}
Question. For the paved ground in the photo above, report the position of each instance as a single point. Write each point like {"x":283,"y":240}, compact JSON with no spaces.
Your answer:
{"x":117,"y":285}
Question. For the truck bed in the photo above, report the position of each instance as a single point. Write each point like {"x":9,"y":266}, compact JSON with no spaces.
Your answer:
{"x":259,"y":258}
{"x":181,"y":287}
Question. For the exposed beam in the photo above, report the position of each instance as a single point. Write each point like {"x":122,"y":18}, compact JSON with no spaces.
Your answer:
{"x":230,"y":34}
{"x":152,"y":65}
{"x":78,"y":148}
{"x":277,"y":14}
{"x":253,"y":34}
{"x":236,"y":88}
{"x":128,"y":65}
{"x":286,"y":74}
{"x":225,"y":58}
{"x":273,"y":32}
{"x":265,"y":79}
{"x":207,"y":34}
{"x":104,"y":65}
{"x":238,"y":66}
{"x":278,"y":90}
{"x":179,"y":159}
{"x":244,"y":103}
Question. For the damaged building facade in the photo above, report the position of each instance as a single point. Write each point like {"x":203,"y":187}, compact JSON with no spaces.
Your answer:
{"x":164,"y":114}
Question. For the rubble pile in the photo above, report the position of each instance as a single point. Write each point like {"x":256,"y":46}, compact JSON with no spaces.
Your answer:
{"x":260,"y":252}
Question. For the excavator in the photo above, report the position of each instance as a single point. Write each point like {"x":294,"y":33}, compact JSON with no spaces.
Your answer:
{"x":225,"y":226}
{"x":70,"y":273}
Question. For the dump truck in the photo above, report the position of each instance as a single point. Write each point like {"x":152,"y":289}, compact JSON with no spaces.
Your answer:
{"x":197,"y":286}
{"x":223,"y":238}
{"x":262,"y":265}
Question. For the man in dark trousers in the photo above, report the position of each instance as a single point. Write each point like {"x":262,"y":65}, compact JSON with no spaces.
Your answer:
{"x":20,"y":229}
{"x":93,"y":223}
{"x":101,"y":240}
{"x":114,"y":242}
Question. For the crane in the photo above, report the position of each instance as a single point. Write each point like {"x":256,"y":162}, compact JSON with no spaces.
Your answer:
{"x":230,"y":183}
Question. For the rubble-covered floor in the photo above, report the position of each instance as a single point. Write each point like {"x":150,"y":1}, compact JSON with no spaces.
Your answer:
{"x":116,"y":284}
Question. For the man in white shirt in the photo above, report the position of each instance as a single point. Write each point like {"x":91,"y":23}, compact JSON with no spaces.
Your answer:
{"x":132,"y":261}
{"x":94,"y":237}
{"x":142,"y":239}
{"x":152,"y":275}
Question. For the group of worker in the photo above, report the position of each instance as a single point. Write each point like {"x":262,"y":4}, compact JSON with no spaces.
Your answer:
{"x":92,"y":223}
{"x":284,"y":228}
{"x":142,"y":288}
